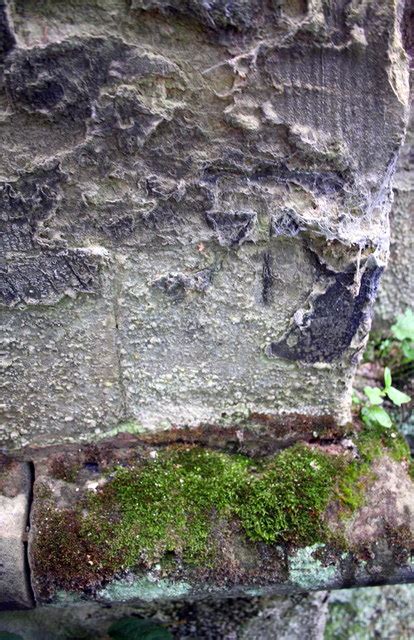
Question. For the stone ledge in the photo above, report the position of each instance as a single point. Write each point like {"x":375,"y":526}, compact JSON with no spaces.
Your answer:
{"x":130,"y":519}
{"x":15,"y":491}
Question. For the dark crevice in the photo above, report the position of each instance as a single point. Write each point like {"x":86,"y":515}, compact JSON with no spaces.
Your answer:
{"x":117,"y":338}
{"x":267,"y":278}
{"x":27,"y":567}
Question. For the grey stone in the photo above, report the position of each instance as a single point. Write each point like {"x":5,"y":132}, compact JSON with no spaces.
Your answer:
{"x":15,"y":491}
{"x":60,"y":367}
{"x":397,"y":289}
{"x":294,"y":618}
{"x":349,"y":614}
{"x":195,"y":199}
{"x":211,"y":619}
{"x":378,"y":612}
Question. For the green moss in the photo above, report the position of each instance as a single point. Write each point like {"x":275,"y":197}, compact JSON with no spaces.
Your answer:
{"x":350,"y":488}
{"x":373,"y":439}
{"x":168,"y":510}
{"x":168,"y":504}
{"x":288,"y":499}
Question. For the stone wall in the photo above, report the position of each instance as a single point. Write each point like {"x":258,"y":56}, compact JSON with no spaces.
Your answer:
{"x":396,"y":293}
{"x":194,"y":207}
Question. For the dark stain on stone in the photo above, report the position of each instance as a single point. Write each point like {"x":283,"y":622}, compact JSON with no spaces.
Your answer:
{"x":284,"y":223}
{"x":224,"y":15}
{"x":267,"y":277}
{"x":259,"y":435}
{"x":232,"y":228}
{"x":7,"y":39}
{"x":323,"y":182}
{"x":61,"y":79}
{"x":25,"y":203}
{"x":177,"y":285}
{"x":328,"y":183}
{"x":328,"y":330}
{"x":46,"y":277}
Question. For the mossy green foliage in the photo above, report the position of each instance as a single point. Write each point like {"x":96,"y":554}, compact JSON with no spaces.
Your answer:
{"x":350,"y":488}
{"x":286,"y":501}
{"x":171,"y":504}
{"x":170,"y":507}
{"x":168,"y":504}
{"x":374,"y":438}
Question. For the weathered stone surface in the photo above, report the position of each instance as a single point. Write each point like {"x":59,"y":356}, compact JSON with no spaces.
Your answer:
{"x":15,"y":491}
{"x":228,"y":619}
{"x":351,"y":614}
{"x":7,"y":39}
{"x":60,"y":367}
{"x":290,"y":618}
{"x":210,"y":184}
{"x":362,"y":614}
{"x":397,"y":289}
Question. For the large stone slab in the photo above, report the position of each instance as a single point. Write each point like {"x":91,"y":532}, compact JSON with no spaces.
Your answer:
{"x":60,"y":372}
{"x":15,"y":492}
{"x":194,"y":207}
{"x":397,"y":289}
{"x":127,"y":520}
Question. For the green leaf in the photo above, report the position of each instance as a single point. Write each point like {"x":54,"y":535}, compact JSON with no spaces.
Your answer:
{"x":384,"y":347}
{"x":387,"y":377}
{"x":403,"y":329}
{"x":378,"y":415}
{"x":138,"y":629}
{"x":5,"y":635}
{"x":398,"y":397}
{"x":374,"y":394}
{"x":408,"y":350}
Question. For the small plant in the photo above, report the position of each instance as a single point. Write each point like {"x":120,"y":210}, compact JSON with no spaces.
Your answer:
{"x":372,"y":412}
{"x":403,"y":331}
{"x":138,"y":629}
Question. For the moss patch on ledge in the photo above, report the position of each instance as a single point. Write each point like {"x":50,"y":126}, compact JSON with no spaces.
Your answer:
{"x":166,"y":511}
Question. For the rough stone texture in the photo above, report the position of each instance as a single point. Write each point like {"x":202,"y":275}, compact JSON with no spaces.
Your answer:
{"x":350,"y":614}
{"x":396,"y":293}
{"x":15,"y":490}
{"x":378,"y":612}
{"x":230,"y":619}
{"x":294,"y":618}
{"x":389,"y":502}
{"x":194,"y":203}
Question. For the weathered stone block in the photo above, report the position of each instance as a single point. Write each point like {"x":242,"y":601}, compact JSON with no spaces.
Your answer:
{"x":196,"y":330}
{"x":60,"y":371}
{"x":15,"y":493}
{"x":397,"y":290}
{"x":129,"y":520}
{"x":211,"y":186}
